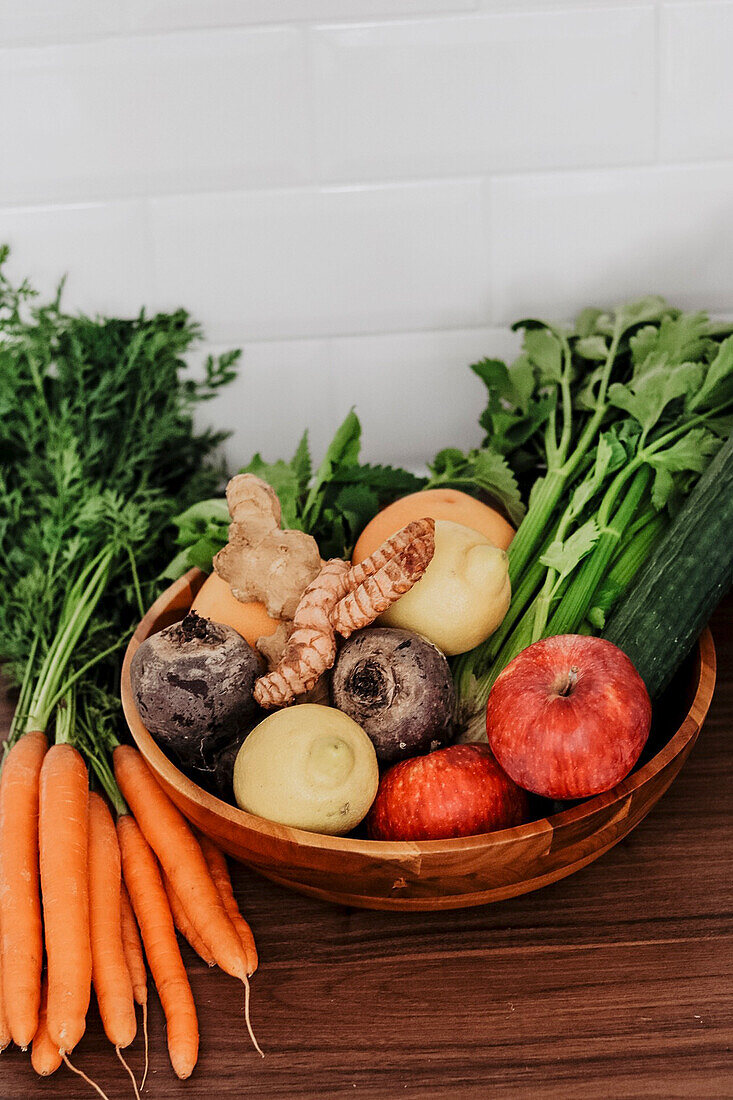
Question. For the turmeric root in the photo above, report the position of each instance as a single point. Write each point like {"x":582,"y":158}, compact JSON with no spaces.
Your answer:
{"x":311,"y":648}
{"x":386,"y":575}
{"x":261,"y":562}
{"x":345,"y":599}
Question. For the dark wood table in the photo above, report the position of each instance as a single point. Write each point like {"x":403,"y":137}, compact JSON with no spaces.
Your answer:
{"x":613,"y":983}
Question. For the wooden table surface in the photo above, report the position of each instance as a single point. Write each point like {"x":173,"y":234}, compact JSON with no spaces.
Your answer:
{"x":613,"y":983}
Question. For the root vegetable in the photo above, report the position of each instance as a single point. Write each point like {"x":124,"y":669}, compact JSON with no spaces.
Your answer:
{"x":63,"y":833}
{"x":110,"y":975}
{"x":310,"y":767}
{"x":193,"y":687}
{"x":342,"y":600}
{"x":20,"y":896}
{"x":261,"y":562}
{"x":167,"y":832}
{"x":398,"y":687}
{"x":150,"y":903}
{"x":463,"y":596}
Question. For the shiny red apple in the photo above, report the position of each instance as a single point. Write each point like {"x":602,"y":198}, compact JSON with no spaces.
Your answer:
{"x":458,"y":791}
{"x":568,"y":717}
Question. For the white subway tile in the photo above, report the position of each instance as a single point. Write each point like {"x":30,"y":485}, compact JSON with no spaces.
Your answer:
{"x":32,"y":22}
{"x":485,"y":93}
{"x":101,"y":248}
{"x":696,"y":119}
{"x":282,"y":388}
{"x":144,"y":114}
{"x":568,"y":240}
{"x":166,"y":15}
{"x":550,"y":5}
{"x":413,"y":393}
{"x":280,"y":264}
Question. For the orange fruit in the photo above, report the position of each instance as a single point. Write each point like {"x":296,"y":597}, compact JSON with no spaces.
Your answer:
{"x":216,"y":601}
{"x":450,"y":504}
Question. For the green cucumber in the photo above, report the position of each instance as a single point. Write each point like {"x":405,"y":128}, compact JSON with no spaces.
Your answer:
{"x":661,"y":615}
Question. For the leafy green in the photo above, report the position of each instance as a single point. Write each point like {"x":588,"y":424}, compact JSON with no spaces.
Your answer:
{"x":691,"y":453}
{"x":516,"y":407}
{"x":98,"y":449}
{"x":649,"y":393}
{"x":565,"y":557}
{"x":483,"y":469}
{"x":717,"y":385}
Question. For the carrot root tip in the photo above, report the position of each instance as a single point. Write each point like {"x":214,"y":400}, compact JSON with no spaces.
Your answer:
{"x":80,"y":1073}
{"x":145,"y":1034}
{"x":132,"y":1075}
{"x":248,"y":1021}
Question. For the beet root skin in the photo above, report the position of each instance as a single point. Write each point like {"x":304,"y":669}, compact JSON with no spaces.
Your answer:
{"x":192,"y":684}
{"x":397,"y":686}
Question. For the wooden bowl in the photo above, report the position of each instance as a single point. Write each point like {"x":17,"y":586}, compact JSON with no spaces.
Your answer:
{"x":436,"y":874}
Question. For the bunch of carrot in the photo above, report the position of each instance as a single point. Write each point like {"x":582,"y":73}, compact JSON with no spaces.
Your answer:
{"x":66,"y":870}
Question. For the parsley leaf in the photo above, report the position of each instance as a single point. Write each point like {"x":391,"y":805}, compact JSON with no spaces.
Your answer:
{"x":691,"y":453}
{"x":717,"y":386}
{"x":648,"y":394}
{"x":482,"y":469}
{"x":564,"y":557}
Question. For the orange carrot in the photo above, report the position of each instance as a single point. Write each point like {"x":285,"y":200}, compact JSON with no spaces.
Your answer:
{"x":20,"y":897}
{"x":135,"y":960}
{"x":45,"y":1055}
{"x":63,"y":843}
{"x":180,"y":856}
{"x":183,"y":924}
{"x":5,"y":1036}
{"x":150,"y":904}
{"x":133,"y":948}
{"x":110,"y":976}
{"x":217,"y":865}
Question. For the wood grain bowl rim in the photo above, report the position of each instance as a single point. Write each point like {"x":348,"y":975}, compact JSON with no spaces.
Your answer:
{"x":395,"y":849}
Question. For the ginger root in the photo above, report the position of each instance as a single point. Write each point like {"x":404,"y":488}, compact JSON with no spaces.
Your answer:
{"x":262,"y":562}
{"x":344,"y":599}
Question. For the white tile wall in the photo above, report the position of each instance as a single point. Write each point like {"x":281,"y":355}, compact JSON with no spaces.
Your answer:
{"x":697,"y":80}
{"x":593,"y":238}
{"x":164,"y":15}
{"x":486,"y":93}
{"x":364,"y":193}
{"x":270,"y":264}
{"x":145,"y":114}
{"x":27,"y":22}
{"x":101,"y":249}
{"x":412,"y":392}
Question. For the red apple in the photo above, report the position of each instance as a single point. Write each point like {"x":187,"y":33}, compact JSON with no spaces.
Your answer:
{"x":458,"y":791}
{"x":569,"y":716}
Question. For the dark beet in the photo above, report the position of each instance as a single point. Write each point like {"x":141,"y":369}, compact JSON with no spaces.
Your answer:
{"x":399,"y":689}
{"x":193,"y":684}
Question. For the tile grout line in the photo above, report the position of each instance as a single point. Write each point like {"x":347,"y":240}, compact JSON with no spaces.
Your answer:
{"x":372,"y":185}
